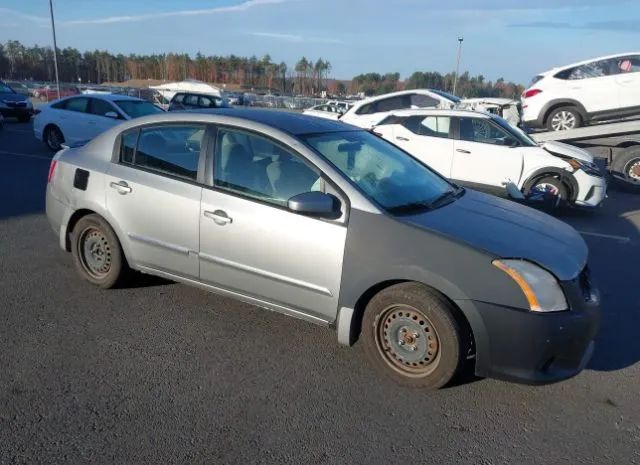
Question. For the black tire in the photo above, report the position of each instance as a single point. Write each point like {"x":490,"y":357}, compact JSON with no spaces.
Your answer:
{"x":53,"y":137}
{"x":625,"y":169}
{"x":564,"y":118}
{"x":106,"y":266}
{"x":24,"y":118}
{"x":557,"y":190}
{"x":411,"y":334}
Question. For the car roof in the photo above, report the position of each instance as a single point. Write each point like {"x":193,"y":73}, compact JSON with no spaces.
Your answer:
{"x":441,"y":112}
{"x":112,"y":97}
{"x":286,"y":121}
{"x":584,"y":62}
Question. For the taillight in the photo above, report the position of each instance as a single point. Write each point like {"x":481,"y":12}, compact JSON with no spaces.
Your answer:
{"x":52,"y":170}
{"x":531,"y":93}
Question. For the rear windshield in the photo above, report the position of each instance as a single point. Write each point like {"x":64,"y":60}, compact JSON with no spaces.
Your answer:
{"x":137,"y":108}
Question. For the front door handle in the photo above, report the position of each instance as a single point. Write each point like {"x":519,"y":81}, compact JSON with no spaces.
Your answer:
{"x":220,"y":217}
{"x":122,"y":187}
{"x":463,"y":151}
{"x":402,"y":138}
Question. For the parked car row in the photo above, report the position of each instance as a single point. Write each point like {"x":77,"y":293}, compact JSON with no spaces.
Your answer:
{"x":14,"y":104}
{"x":328,"y":222}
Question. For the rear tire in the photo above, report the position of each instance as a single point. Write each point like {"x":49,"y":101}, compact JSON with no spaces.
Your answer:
{"x":411,"y":334}
{"x":625,"y":169}
{"x":53,"y":137}
{"x":564,"y":119}
{"x":97,"y":253}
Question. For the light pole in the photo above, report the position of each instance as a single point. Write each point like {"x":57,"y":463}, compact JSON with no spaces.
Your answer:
{"x":455,"y":78}
{"x":55,"y":47}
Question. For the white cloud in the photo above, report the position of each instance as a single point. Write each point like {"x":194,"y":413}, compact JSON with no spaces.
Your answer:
{"x":296,"y":38}
{"x":147,"y":16}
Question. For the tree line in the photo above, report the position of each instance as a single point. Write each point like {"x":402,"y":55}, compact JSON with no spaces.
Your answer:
{"x":306,"y":77}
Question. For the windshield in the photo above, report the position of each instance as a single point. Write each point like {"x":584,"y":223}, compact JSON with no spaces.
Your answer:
{"x":517,"y":133}
{"x":137,"y":108}
{"x":392,"y":178}
{"x":447,"y":95}
{"x":5,"y":89}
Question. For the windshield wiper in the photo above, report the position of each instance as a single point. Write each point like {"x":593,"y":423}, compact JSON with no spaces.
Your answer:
{"x":411,"y":207}
{"x":446,"y":195}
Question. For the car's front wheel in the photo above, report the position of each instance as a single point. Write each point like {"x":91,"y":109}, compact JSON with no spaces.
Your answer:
{"x":97,"y":253}
{"x":53,"y":137}
{"x":564,"y":119}
{"x":411,"y":334}
{"x":549,"y":189}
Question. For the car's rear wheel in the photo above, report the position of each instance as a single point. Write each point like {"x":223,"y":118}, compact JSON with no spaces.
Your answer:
{"x":564,"y":119}
{"x":625,"y":169}
{"x":97,"y":252}
{"x":53,"y":138}
{"x":411,"y":334}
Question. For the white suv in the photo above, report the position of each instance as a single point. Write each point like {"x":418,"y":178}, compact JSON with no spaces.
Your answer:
{"x":598,"y":89}
{"x":483,"y":151}
{"x":368,"y":112}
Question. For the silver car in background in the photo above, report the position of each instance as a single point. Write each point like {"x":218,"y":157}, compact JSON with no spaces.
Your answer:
{"x":327,"y":222}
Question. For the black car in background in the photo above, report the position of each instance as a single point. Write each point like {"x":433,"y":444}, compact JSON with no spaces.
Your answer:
{"x":193,"y":101}
{"x":13,"y":104}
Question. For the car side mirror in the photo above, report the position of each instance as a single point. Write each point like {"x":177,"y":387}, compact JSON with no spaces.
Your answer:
{"x":111,"y":114}
{"x":315,"y":203}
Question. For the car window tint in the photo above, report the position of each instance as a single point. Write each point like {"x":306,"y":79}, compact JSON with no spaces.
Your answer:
{"x":435,"y":126}
{"x":171,"y":149}
{"x":60,"y":105}
{"x":256,"y":167}
{"x":394,"y":103}
{"x":367,"y":109}
{"x":594,"y":69}
{"x":481,"y":130}
{"x":100,"y":107}
{"x":77,"y":104}
{"x":630,"y":64}
{"x":191,"y":100}
{"x":178,"y":98}
{"x":423,"y":101}
{"x":128,"y":143}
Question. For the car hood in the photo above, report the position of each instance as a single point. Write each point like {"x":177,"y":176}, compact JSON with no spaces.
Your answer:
{"x":12,"y":97}
{"x":566,"y":150}
{"x":506,"y":229}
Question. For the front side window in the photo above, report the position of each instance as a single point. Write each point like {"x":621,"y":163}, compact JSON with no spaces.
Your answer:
{"x":191,"y":100}
{"x":259,"y":168}
{"x":100,"y":107}
{"x":387,"y":175}
{"x":481,"y":130}
{"x":209,"y":102}
{"x":77,"y":104}
{"x":137,"y":108}
{"x":630,"y":64}
{"x":168,"y":149}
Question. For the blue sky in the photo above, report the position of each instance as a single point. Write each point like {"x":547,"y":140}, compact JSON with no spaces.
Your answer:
{"x":513,"y":39}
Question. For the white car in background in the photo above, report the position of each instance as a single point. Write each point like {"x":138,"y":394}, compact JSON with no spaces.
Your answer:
{"x":485,"y":152}
{"x":78,"y":119}
{"x":325,"y":110}
{"x":368,"y":112}
{"x":571,"y":96}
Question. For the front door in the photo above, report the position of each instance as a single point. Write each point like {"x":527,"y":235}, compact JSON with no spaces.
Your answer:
{"x":252,"y":244}
{"x":483,"y":156}
{"x":153,"y":193}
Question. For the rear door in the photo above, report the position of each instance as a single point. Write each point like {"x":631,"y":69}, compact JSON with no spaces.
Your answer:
{"x":428,"y":138}
{"x":252,"y":244}
{"x":153,"y":193}
{"x":594,"y":85}
{"x":483,"y":156}
{"x":71,"y":118}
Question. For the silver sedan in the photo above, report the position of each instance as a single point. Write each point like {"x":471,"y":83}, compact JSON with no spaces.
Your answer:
{"x":327,"y":222}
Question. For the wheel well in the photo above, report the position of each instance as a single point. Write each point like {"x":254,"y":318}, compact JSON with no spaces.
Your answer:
{"x":572,"y":193}
{"x":555,"y":106}
{"x":50,"y":125}
{"x":365,"y":298}
{"x":72,"y":223}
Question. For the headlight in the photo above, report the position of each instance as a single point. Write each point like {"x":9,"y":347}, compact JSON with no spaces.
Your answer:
{"x":586,"y":166}
{"x":540,"y":288}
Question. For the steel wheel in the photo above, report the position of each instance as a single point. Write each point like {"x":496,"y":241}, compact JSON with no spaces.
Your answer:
{"x":408,"y":341}
{"x":632,"y":170}
{"x":95,"y":252}
{"x":563,"y":120}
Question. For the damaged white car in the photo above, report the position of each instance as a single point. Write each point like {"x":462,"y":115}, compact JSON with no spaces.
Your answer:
{"x":483,"y":151}
{"x":508,"y":109}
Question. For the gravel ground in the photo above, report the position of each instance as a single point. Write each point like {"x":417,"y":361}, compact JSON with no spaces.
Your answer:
{"x":165,"y":373}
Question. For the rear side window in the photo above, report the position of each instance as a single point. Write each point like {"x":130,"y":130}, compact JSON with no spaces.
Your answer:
{"x":168,"y":149}
{"x":423,"y":101}
{"x":394,"y":103}
{"x":432,"y":126}
{"x":191,"y":100}
{"x":77,"y":104}
{"x":367,"y":109}
{"x":178,"y":98}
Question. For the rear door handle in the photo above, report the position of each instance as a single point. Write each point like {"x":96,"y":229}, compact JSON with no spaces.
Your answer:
{"x":220,"y":217}
{"x":402,"y":138}
{"x":462,"y":151}
{"x":122,"y":187}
